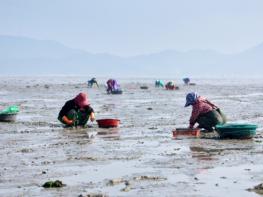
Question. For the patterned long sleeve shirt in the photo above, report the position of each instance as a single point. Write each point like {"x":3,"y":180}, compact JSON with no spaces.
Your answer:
{"x":69,"y":105}
{"x":201,"y":106}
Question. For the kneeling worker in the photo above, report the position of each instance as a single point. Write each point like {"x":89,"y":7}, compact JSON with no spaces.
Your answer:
{"x":77,"y":111}
{"x":205,"y":113}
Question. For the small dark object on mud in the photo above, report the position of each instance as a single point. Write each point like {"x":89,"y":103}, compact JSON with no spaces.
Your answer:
{"x":44,"y":172}
{"x":26,"y":150}
{"x":258,"y":189}
{"x":115,"y":181}
{"x":126,"y":189}
{"x":144,"y":87}
{"x":46,"y":86}
{"x":53,"y":184}
{"x":154,"y":178}
{"x":93,"y":195}
{"x":149,"y":108}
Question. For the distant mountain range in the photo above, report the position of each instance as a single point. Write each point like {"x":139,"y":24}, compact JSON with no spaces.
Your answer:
{"x":26,"y":56}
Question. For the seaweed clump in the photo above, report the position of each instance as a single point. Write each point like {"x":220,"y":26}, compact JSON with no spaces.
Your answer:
{"x":53,"y":184}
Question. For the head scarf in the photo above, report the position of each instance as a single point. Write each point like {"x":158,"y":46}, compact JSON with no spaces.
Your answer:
{"x":82,"y":100}
{"x":190,"y":98}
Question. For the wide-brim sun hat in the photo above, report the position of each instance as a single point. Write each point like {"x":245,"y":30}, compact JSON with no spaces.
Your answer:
{"x":82,"y":100}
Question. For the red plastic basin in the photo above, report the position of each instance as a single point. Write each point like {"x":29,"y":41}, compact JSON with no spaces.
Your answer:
{"x":107,"y":123}
{"x":186,"y":131}
{"x":172,"y":87}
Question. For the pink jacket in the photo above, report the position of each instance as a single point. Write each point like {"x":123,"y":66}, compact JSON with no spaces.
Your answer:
{"x":201,"y":106}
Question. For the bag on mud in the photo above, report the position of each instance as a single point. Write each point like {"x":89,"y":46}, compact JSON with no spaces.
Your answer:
{"x":222,"y":115}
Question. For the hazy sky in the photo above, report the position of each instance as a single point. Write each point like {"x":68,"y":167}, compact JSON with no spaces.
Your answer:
{"x":130,"y":27}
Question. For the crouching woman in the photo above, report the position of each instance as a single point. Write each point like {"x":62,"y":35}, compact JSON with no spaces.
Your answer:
{"x":205,"y":113}
{"x":77,"y":111}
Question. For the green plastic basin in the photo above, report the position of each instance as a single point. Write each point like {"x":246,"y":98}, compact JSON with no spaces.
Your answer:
{"x":236,"y":131}
{"x":10,"y":110}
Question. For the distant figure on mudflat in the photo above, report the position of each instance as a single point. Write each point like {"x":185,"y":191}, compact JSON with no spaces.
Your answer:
{"x":92,"y":82}
{"x":171,"y":86}
{"x":159,"y":83}
{"x":113,"y":87}
{"x":186,"y":80}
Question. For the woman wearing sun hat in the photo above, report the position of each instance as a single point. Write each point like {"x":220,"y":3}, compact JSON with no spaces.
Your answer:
{"x":77,"y":111}
{"x":205,"y":113}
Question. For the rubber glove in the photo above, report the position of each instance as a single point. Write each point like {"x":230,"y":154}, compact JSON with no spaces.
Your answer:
{"x":67,"y":121}
{"x":92,"y":117}
{"x":190,"y":127}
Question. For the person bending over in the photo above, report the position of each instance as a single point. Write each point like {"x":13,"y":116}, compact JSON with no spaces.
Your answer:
{"x":205,"y":113}
{"x":77,"y":111}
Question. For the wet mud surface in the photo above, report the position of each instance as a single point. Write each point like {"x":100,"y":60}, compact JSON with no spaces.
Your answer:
{"x":140,"y":158}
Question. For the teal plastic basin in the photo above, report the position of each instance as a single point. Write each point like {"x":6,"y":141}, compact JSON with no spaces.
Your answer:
{"x":236,"y":131}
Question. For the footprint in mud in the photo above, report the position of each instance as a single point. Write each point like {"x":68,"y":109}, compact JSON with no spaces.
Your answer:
{"x":116,"y":181}
{"x":93,"y":195}
{"x":108,"y":107}
{"x":128,"y":184}
{"x":108,"y":132}
{"x":147,"y":178}
{"x":87,"y":158}
{"x":26,"y":150}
